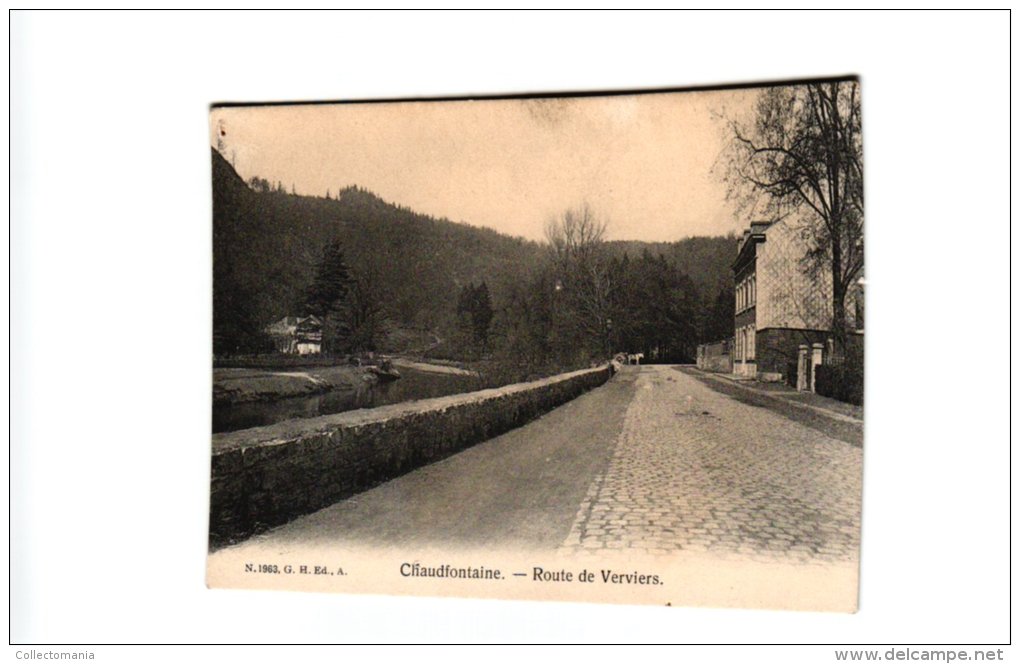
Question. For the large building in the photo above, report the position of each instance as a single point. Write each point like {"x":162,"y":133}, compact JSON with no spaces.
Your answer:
{"x":780,"y":304}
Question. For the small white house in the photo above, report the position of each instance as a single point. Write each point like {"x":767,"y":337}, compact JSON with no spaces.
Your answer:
{"x":297,"y":335}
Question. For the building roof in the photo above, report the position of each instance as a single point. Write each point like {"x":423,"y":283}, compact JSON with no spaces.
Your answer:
{"x":745,"y":249}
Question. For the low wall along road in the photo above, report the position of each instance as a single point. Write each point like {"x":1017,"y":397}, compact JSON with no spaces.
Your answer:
{"x":266,"y":476}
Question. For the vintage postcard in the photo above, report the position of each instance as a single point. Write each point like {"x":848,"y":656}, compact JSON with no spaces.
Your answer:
{"x":599,"y":348}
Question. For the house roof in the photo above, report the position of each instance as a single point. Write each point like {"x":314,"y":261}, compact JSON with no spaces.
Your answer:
{"x":290,"y":324}
{"x":745,"y":249}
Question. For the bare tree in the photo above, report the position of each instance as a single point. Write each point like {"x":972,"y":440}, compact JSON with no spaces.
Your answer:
{"x":803,"y":153}
{"x":576,"y":235}
{"x":577,"y":239}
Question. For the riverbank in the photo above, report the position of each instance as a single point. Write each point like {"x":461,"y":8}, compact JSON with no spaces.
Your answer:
{"x":431,"y":367}
{"x":234,"y":386}
{"x":241,"y":385}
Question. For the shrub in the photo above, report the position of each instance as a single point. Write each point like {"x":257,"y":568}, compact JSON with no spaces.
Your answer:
{"x":843,"y":381}
{"x":791,"y":374}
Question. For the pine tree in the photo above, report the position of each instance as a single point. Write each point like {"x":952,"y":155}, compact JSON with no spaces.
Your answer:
{"x":474,"y":309}
{"x":481,"y":314}
{"x":327,"y":296}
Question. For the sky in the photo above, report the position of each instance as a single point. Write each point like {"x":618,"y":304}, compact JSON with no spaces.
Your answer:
{"x":649,"y":164}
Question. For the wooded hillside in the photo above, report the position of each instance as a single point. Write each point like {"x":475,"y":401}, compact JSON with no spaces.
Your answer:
{"x":413,"y":272}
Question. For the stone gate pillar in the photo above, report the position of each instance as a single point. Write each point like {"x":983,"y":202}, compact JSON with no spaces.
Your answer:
{"x":816,"y":359}
{"x":803,"y":382}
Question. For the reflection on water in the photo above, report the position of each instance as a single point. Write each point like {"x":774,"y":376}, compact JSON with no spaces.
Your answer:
{"x":413,"y":384}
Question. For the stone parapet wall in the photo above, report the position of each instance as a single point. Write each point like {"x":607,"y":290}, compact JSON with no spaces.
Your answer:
{"x":266,"y":476}
{"x":716,"y":356}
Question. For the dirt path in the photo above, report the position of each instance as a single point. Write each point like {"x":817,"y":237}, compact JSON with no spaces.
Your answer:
{"x":432,"y":368}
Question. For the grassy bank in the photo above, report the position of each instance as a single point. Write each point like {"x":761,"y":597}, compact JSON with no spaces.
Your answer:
{"x":240,"y":385}
{"x":263,"y":379}
{"x":279,"y":361}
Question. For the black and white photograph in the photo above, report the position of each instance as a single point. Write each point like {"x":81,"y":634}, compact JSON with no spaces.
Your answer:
{"x":343,"y":328}
{"x":600,"y":348}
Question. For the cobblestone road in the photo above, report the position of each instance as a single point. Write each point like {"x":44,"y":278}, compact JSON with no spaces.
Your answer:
{"x":698,"y":471}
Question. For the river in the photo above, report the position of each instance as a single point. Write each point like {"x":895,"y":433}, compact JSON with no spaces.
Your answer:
{"x":412,"y":384}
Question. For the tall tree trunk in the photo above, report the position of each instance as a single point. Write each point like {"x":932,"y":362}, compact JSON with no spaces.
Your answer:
{"x":838,"y":298}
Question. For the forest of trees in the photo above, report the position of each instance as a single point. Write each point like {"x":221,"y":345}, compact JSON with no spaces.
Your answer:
{"x":385,"y":278}
{"x":589,"y":301}
{"x":474,"y":318}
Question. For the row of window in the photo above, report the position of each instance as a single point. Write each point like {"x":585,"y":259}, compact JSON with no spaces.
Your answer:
{"x":747,"y":292}
{"x":744,"y":343}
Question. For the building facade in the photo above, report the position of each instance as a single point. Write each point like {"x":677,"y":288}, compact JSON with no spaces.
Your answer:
{"x":781,"y":304}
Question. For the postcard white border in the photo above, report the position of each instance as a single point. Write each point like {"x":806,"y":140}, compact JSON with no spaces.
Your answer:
{"x":110,"y":219}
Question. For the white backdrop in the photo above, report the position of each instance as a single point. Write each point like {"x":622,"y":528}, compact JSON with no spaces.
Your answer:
{"x":111,"y":315}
